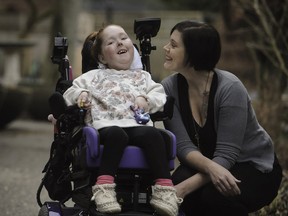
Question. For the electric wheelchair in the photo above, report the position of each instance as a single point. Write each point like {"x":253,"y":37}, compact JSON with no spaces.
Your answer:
{"x":75,"y":153}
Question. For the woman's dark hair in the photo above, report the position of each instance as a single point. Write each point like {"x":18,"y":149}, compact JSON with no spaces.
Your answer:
{"x":202,"y":44}
{"x":89,"y":62}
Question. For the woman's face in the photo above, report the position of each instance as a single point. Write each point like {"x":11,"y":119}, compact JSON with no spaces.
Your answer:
{"x":117,"y":48}
{"x":174,"y":52}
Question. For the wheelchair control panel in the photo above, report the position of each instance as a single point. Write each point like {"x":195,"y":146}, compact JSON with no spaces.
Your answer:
{"x":140,"y":115}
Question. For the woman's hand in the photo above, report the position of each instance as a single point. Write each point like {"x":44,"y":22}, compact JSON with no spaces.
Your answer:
{"x":223,"y":180}
{"x":141,"y":103}
{"x":83,"y":100}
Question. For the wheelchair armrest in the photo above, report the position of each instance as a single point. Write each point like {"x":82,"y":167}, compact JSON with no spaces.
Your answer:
{"x":92,"y":141}
{"x":62,"y":85}
{"x":170,"y":141}
{"x":57,"y":104}
{"x":58,"y":107}
{"x":167,"y":113}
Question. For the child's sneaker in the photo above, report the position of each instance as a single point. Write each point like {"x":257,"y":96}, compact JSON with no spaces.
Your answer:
{"x":105,"y":199}
{"x":165,"y":201}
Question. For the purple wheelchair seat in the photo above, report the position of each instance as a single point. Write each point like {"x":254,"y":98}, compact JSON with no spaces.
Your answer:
{"x":133,"y":156}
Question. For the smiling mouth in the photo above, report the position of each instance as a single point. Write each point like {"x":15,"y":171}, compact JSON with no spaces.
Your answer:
{"x":122,"y":52}
{"x":168,"y":58}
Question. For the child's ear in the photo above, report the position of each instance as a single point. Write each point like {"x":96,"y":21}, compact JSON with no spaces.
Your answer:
{"x":101,"y":59}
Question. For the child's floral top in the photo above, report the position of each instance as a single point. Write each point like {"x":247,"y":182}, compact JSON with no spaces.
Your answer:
{"x":112,"y":92}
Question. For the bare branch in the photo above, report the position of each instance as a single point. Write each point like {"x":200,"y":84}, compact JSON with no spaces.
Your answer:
{"x":270,"y":27}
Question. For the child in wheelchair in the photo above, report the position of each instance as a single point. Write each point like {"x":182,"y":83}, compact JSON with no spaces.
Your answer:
{"x":111,"y":95}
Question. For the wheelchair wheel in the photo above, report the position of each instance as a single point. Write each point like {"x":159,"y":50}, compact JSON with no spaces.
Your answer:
{"x":43,"y":211}
{"x":50,"y":208}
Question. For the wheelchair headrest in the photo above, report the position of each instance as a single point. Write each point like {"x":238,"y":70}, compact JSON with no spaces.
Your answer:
{"x":136,"y":63}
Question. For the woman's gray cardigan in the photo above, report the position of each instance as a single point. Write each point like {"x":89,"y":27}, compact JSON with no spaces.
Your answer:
{"x":240,"y":138}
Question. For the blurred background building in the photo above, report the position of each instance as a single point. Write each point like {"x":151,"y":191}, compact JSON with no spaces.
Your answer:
{"x":27,"y":31}
{"x":254,"y":46}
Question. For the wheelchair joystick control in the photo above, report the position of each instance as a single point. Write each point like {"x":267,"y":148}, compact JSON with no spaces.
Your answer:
{"x":141,"y":117}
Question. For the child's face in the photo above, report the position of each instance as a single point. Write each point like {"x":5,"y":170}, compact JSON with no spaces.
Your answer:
{"x":117,"y":48}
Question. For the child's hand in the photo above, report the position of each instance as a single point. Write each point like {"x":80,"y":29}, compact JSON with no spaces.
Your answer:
{"x":83,"y":101}
{"x":141,"y":103}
